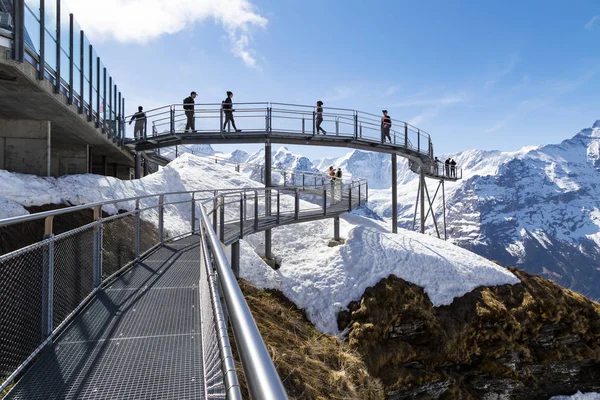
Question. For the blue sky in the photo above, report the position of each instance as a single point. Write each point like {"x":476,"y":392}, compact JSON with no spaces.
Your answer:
{"x":485,"y":75}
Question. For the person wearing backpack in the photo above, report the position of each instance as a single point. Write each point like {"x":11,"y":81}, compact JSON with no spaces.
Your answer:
{"x":228,"y":110}
{"x":386,"y":125}
{"x":188,"y":106}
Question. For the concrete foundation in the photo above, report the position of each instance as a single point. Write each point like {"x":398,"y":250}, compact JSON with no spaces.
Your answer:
{"x":25,"y":146}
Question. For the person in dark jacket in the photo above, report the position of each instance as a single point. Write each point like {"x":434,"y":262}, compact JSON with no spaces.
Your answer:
{"x":188,"y":106}
{"x":140,"y":123}
{"x":453,"y":168}
{"x":386,"y":125}
{"x":228,"y":110}
{"x":447,"y":165}
{"x":319,"y":117}
{"x":436,"y":165}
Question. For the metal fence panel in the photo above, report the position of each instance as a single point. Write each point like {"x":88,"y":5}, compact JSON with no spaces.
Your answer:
{"x":118,"y":243}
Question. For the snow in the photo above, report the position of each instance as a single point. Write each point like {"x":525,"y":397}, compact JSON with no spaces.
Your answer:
{"x":578,"y":396}
{"x":323,"y":280}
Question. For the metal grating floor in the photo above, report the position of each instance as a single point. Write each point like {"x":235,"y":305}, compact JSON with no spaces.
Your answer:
{"x":138,"y":339}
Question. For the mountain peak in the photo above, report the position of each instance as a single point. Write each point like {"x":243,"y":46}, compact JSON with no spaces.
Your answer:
{"x":596,"y":124}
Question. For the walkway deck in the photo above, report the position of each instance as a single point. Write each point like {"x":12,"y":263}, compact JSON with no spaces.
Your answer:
{"x":139,"y":338}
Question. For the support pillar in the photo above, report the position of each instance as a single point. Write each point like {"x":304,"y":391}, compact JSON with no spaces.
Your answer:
{"x":235,"y":258}
{"x":138,"y":165}
{"x":422,"y":195}
{"x":268,"y":183}
{"x":105,"y":165}
{"x":336,"y":229}
{"x":444,"y":207}
{"x":394,"y":194}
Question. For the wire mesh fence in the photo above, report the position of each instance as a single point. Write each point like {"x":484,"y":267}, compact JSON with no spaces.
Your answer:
{"x":23,"y":322}
{"x":73,"y":270}
{"x":119,"y":237}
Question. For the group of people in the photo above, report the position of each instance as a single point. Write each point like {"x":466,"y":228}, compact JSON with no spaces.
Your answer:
{"x":449,"y":168}
{"x":227,"y":106}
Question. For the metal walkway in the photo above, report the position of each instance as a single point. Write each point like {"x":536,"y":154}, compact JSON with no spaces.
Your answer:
{"x":139,"y":338}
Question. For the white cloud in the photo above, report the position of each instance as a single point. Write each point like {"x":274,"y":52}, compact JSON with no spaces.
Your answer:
{"x":435,"y":101}
{"x":140,"y":21}
{"x":592,"y":22}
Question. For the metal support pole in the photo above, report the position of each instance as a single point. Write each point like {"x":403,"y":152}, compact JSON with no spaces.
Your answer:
{"x":58,"y":49}
{"x":355,"y":125}
{"x":104,"y":125}
{"x":432,"y":213}
{"x":405,"y":135}
{"x":350,"y":197}
{"x":97,"y":92}
{"x":48,"y":282}
{"x":222,"y":219}
{"x":284,"y":178}
{"x":296,"y":204}
{"x":268,"y":184}
{"x":42,"y":64}
{"x":314,"y":124}
{"x":97,"y":276}
{"x":161,"y":218}
{"x":268,"y":248}
{"x":215,"y":207}
{"x":256,"y":210}
{"x":444,"y":207}
{"x":138,"y":165}
{"x":172,"y":117}
{"x":18,"y":47}
{"x":419,"y":141}
{"x":71,"y":61}
{"x":422,"y":195}
{"x":303,"y":123}
{"x":278,"y":206}
{"x":242,"y":207}
{"x":336,"y":228}
{"x":324,"y":201}
{"x":416,"y":205}
{"x":235,"y":258}
{"x":138,"y":230}
{"x":394,"y":194}
{"x":193,"y":213}
{"x":81,"y":71}
{"x":359,"y":198}
{"x":91,"y":90}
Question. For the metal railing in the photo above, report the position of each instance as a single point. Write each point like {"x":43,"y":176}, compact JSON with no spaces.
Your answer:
{"x":44,"y":285}
{"x":283,"y":119}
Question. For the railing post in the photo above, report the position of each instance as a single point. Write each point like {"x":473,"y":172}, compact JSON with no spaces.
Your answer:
{"x":359,"y":185}
{"x":270,"y":119}
{"x":355,"y":125}
{"x":256,"y":210}
{"x":193,"y":212}
{"x":303,"y":180}
{"x":242,"y":205}
{"x":278,"y":205}
{"x":303,"y":124}
{"x":138,"y":226}
{"x":324,"y":201}
{"x":314,"y":124}
{"x":418,"y":140}
{"x":296,"y":204}
{"x":97,"y":275}
{"x":222,"y":219}
{"x":337,"y":126}
{"x":48,"y":279}
{"x":336,"y":229}
{"x":406,"y":135}
{"x":161,"y":217}
{"x":361,"y":131}
{"x":215,"y":207}
{"x":221,"y":129}
{"x":332,"y":191}
{"x":367,"y":191}
{"x":284,"y":177}
{"x":235,"y":258}
{"x":350,"y":197}
{"x":172,"y":118}
{"x":237,"y":167}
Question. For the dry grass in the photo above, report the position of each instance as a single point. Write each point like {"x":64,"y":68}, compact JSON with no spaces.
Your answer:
{"x":311,"y":365}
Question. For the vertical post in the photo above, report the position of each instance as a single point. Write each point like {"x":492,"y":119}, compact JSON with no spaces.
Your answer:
{"x":48,"y":279}
{"x":303,"y":180}
{"x":444,"y":207}
{"x":112,"y":120}
{"x":42,"y":65}
{"x":394,"y":194}
{"x":81,"y":71}
{"x":122,"y":117}
{"x":324,"y":201}
{"x":138,"y":165}
{"x":58,"y":50}
{"x":284,"y":178}
{"x":97,"y":92}
{"x":406,"y":135}
{"x":359,"y":198}
{"x":161,"y":218}
{"x":222,"y":218}
{"x":422,"y":195}
{"x":71,"y":61}
{"x":172,"y":117}
{"x":242,"y":213}
{"x":268,"y":184}
{"x":303,"y":124}
{"x":419,"y":140}
{"x":215,"y":207}
{"x":256,"y":210}
{"x":350,"y":197}
{"x":18,"y":48}
{"x":270,"y":119}
{"x":193,"y":212}
{"x":91,"y":90}
{"x":138,"y":230}
{"x":97,"y":246}
{"x":336,"y":228}
{"x":296,"y":204}
{"x":278,"y":206}
{"x":355,"y":125}
{"x":314,"y":124}
{"x":337,"y":126}
{"x":104,"y":125}
{"x":367,"y":191}
{"x":235,"y":258}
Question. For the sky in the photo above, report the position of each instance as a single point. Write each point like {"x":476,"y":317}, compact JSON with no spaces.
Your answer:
{"x":475,"y":75}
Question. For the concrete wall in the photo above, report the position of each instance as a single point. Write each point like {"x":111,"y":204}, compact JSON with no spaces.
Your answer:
{"x":69,"y":160}
{"x":24,"y":146}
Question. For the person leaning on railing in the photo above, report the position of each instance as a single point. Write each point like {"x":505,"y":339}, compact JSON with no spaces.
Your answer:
{"x":140,"y":123}
{"x":188,"y":106}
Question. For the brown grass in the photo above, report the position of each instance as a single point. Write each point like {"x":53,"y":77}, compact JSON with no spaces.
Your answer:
{"x":311,"y":365}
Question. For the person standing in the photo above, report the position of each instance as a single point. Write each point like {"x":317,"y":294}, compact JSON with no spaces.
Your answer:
{"x":140,"y":123}
{"x":228,"y":110}
{"x":331,"y":173}
{"x":319,"y":117}
{"x":188,"y":106}
{"x":437,"y":166}
{"x":386,"y":125}
{"x":338,"y":184}
{"x":447,"y":167}
{"x":453,"y":168}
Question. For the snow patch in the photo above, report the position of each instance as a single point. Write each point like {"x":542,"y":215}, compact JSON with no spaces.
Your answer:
{"x":579,"y":395}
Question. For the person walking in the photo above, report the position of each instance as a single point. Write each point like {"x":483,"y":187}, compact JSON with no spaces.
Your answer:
{"x":228,"y":110}
{"x":453,"y":168}
{"x":188,"y":106}
{"x":140,"y":123}
{"x":386,"y":125}
{"x":319,"y":117}
{"x":447,"y":165}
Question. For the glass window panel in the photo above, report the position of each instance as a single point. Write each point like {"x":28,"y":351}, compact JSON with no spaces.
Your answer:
{"x":50,"y":36}
{"x":76,"y":56}
{"x":65,"y":42}
{"x":101,"y":90}
{"x":32,"y":26}
{"x":86,"y":71}
{"x":94,"y":80}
